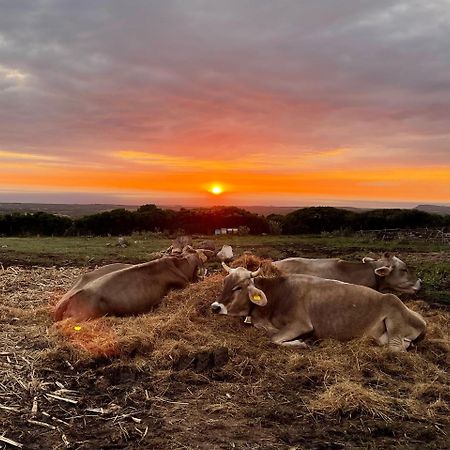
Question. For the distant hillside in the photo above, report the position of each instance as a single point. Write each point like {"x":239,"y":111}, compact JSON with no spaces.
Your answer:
{"x":79,"y":210}
{"x":266,"y":210}
{"x":283,"y":210}
{"x":63,"y":209}
{"x":434,"y":209}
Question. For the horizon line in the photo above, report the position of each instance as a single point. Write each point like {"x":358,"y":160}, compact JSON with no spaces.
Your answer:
{"x":382,"y":205}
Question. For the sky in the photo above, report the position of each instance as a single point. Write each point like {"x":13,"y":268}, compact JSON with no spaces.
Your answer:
{"x":281,"y":102}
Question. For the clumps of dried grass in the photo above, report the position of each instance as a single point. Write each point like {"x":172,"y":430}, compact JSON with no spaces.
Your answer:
{"x":30,"y":288}
{"x":347,"y":379}
{"x":433,"y":394}
{"x":347,"y":399}
{"x":358,"y":378}
{"x":252,"y":262}
{"x":94,"y":338}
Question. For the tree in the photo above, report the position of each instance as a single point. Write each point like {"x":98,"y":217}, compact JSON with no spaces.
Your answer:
{"x":151,"y":218}
{"x":28,"y":224}
{"x":377,"y":219}
{"x":317,"y":219}
{"x":115,"y":222}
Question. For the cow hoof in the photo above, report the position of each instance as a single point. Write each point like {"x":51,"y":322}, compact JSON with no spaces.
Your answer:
{"x":295,"y":343}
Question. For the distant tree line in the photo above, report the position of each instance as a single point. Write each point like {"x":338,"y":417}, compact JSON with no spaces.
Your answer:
{"x":39,"y":223}
{"x":319,"y":219}
{"x":122,"y":222}
{"x":206,"y":220}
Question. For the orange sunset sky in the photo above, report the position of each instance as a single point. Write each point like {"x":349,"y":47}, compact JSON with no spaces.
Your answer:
{"x":277,"y":102}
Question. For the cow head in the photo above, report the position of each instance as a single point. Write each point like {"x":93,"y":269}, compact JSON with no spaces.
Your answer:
{"x":239,"y":293}
{"x":226,"y":253}
{"x":196,"y":260}
{"x":394,"y":275}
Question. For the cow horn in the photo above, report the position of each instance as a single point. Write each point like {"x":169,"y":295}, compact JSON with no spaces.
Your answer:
{"x":255,"y":273}
{"x":367,"y":259}
{"x":228,"y":269}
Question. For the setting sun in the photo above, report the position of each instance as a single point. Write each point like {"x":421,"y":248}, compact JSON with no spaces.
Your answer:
{"x":216,"y":189}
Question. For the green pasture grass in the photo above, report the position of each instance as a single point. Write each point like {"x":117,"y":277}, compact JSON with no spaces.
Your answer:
{"x":78,"y":250}
{"x":431,"y":260}
{"x":436,"y":277}
{"x":83,"y":250}
{"x":338,"y":242}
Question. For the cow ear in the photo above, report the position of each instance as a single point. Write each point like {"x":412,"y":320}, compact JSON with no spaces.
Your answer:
{"x":383,"y":271}
{"x":387,"y":255}
{"x":202,"y":256}
{"x":257,"y":296}
{"x":208,"y":253}
{"x":367,"y":259}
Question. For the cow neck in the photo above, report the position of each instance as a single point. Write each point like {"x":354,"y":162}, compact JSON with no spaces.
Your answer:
{"x":252,"y":305}
{"x":252,"y":308}
{"x":183,"y":265}
{"x":264,"y":283}
{"x":378,"y":279}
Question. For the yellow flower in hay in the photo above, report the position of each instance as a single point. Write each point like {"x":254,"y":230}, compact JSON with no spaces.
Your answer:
{"x":77,"y":328}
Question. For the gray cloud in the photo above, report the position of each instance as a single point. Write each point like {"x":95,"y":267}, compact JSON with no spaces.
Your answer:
{"x":292,"y":75}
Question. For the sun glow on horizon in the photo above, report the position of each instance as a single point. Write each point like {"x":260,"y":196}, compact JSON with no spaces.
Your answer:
{"x":216,"y":189}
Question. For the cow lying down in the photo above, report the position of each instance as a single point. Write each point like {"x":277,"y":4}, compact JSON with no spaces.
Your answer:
{"x":387,"y":274}
{"x":290,"y":307}
{"x":126,"y":289}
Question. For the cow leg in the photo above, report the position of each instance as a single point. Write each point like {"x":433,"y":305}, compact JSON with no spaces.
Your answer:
{"x":295,"y":343}
{"x":383,"y":339}
{"x":379,"y":333}
{"x":395,"y":340}
{"x":286,"y":336}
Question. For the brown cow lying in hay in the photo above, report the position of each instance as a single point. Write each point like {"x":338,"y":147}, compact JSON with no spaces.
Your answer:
{"x":387,"y":274}
{"x":292,"y":306}
{"x":123,"y":289}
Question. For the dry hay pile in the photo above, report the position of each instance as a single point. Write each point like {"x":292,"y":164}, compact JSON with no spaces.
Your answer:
{"x":170,"y":378}
{"x":252,"y":262}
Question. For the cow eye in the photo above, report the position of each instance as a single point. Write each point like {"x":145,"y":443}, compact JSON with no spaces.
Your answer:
{"x":236,"y":288}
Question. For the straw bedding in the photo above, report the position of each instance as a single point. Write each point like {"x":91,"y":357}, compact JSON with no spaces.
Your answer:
{"x":179,"y":377}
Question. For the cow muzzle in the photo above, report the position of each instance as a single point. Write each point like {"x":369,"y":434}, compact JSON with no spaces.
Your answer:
{"x":218,"y":308}
{"x":413,"y":289}
{"x":418,"y":285}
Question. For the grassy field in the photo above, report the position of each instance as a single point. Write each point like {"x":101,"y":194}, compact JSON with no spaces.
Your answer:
{"x":431,"y":260}
{"x":82,"y":250}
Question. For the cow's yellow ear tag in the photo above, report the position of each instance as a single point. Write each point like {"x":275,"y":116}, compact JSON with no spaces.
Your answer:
{"x":256,"y":297}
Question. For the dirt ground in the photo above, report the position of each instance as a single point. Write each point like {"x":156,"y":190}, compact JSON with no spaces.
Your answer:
{"x":180,"y":378}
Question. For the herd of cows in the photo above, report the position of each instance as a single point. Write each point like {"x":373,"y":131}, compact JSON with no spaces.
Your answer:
{"x":321,"y":298}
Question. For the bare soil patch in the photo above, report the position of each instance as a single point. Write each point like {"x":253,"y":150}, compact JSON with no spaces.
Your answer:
{"x":179,"y":378}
